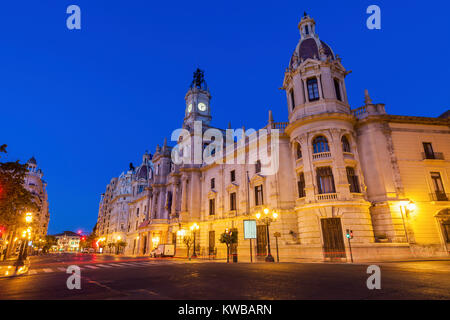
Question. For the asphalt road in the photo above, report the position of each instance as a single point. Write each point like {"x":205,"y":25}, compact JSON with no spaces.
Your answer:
{"x":107,"y":277}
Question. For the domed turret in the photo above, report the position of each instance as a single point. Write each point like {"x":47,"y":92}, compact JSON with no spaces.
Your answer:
{"x":309,"y":46}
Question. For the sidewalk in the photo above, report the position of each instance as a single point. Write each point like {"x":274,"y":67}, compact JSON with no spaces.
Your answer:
{"x":291,"y":260}
{"x":9,"y":267}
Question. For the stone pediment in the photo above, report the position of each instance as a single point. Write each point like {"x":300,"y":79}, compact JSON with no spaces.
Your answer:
{"x":232,"y":187}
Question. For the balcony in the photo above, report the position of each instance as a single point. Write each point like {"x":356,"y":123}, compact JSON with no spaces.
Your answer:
{"x":349,"y":155}
{"x":432,"y":156}
{"x":439,"y":196}
{"x":321,"y":155}
{"x":326,"y":197}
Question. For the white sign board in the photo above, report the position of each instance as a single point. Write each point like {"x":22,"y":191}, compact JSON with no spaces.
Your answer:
{"x":249,"y":229}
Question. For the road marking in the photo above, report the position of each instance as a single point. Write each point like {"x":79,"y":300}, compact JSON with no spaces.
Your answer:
{"x":62,"y":269}
{"x":32,"y":271}
{"x":91,"y":267}
{"x":115,"y":265}
{"x":48,"y":270}
{"x":103,"y":266}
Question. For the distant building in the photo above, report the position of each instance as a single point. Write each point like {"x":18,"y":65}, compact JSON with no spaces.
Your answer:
{"x":37,"y":186}
{"x":383,"y":178}
{"x":68,"y":241}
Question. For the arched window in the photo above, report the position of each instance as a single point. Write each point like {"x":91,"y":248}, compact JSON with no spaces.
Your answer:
{"x":299,"y":151}
{"x":345,"y":144}
{"x":320,"y":144}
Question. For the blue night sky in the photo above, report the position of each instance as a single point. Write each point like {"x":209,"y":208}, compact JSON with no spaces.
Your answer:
{"x":87,"y":103}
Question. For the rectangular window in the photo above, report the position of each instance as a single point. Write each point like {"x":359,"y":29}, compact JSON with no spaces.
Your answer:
{"x":439,"y":191}
{"x":259,"y":199}
{"x":212,"y":207}
{"x":428,"y":148}
{"x":258,"y":167}
{"x":233,"y":175}
{"x":353,"y":180}
{"x":232,"y":201}
{"x":301,"y":186}
{"x":337,"y":88}
{"x":325,"y":180}
{"x":313,"y":89}
{"x":213,"y":183}
{"x":291,"y":95}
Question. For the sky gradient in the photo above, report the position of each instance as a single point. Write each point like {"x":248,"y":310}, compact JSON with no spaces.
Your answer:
{"x":87,"y":103}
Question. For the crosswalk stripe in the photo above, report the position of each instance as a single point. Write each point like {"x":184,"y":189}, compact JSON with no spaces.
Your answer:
{"x":103,"y":265}
{"x":62,"y":269}
{"x":91,"y":267}
{"x":32,"y":271}
{"x":114,"y":264}
{"x":48,"y":270}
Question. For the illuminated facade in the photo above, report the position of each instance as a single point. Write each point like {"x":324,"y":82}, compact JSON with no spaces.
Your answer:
{"x":384,"y":178}
{"x":68,"y":241}
{"x":37,"y":186}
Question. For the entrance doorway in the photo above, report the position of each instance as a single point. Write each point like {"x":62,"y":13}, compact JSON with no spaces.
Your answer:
{"x":333,"y":241}
{"x":261,"y":241}
{"x":444,"y":221}
{"x":212,"y":243}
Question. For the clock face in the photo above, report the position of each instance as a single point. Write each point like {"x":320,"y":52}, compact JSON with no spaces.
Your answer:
{"x":202,"y":106}
{"x":189,"y":109}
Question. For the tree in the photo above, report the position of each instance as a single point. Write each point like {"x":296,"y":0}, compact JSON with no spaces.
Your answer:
{"x":49,"y":242}
{"x":188,"y":241}
{"x":14,"y":198}
{"x":229,"y":237}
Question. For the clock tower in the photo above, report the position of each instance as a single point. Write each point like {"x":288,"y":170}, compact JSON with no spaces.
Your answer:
{"x":197,"y":101}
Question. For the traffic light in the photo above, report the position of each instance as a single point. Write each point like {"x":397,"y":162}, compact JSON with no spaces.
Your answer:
{"x":349,"y":234}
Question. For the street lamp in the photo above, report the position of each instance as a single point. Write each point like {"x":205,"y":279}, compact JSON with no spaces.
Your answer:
{"x":266,"y":219}
{"x":406,"y":207}
{"x":25,"y":234}
{"x":194,"y":227}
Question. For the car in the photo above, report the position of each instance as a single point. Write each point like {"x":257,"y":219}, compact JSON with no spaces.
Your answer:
{"x":91,"y":250}
{"x":85,"y":250}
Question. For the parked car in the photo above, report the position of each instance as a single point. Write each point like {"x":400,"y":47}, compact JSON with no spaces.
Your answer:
{"x":163,"y":250}
{"x":85,"y":250}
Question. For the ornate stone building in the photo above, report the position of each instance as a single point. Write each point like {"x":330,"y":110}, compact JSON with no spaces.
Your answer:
{"x":382,"y":178}
{"x":37,"y":186}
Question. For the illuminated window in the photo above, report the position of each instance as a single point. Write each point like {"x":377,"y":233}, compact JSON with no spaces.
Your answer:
{"x":212,"y":207}
{"x":345,"y":144}
{"x":232,"y":201}
{"x":320,"y":144}
{"x":259,"y":199}
{"x":301,"y":186}
{"x":325,"y":180}
{"x":353,"y":180}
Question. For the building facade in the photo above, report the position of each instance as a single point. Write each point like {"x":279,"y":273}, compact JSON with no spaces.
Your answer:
{"x":381,"y":179}
{"x":68,"y":241}
{"x":35,"y":183}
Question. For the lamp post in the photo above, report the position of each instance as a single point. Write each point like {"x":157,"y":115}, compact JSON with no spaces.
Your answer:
{"x":25,"y":234}
{"x":405,"y":209}
{"x":194,"y":227}
{"x":266,"y":219}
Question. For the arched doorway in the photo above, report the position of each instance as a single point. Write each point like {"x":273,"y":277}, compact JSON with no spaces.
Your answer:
{"x":443,"y":218}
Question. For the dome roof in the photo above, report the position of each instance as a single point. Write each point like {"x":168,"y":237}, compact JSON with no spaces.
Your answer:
{"x":310,"y":46}
{"x":32,"y":161}
{"x":142,"y":172}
